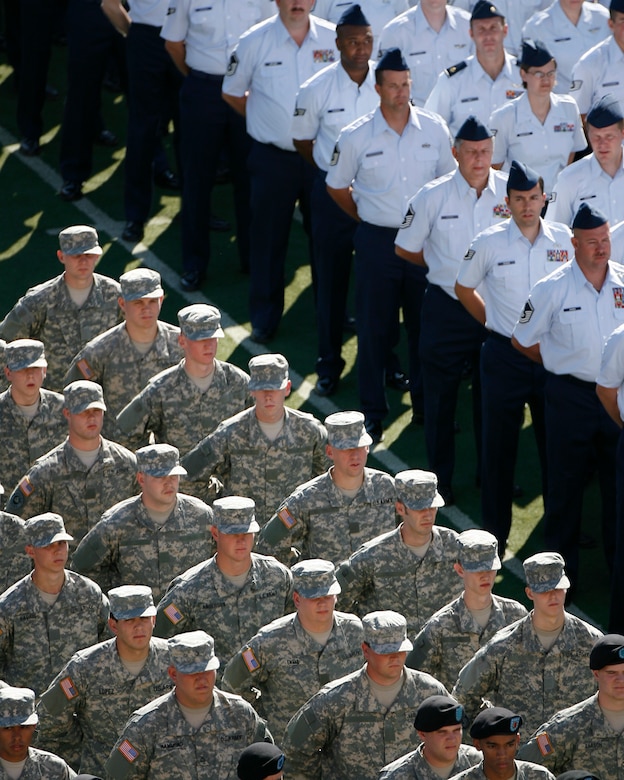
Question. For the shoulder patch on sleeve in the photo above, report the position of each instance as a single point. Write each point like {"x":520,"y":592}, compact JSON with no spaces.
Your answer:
{"x":27,"y":487}
{"x":454,"y":69}
{"x":285,"y":516}
{"x":469,"y":254}
{"x":527,"y":313}
{"x":299,"y":111}
{"x":128,"y":751}
{"x":335,"y":155}
{"x":173,"y":613}
{"x":251,"y":662}
{"x":84,"y":368}
{"x":171,"y":10}
{"x":68,"y":688}
{"x":544,"y":744}
{"x":576,"y":85}
{"x":408,"y":218}
{"x":232,"y":65}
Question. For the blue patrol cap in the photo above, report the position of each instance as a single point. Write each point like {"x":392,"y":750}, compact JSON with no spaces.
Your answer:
{"x":607,"y":651}
{"x":354,"y":17}
{"x":260,"y":760}
{"x":392,"y":59}
{"x":617,"y":5}
{"x":436,"y":712}
{"x":485,"y":10}
{"x":473,"y":129}
{"x":587,"y":218}
{"x":605,"y":112}
{"x":534,"y":54}
{"x":521,"y":177}
{"x":494,"y":721}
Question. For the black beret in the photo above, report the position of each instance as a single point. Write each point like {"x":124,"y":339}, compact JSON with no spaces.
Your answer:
{"x":521,"y":177}
{"x":587,"y":218}
{"x":494,"y":721}
{"x":435,"y":712}
{"x":354,"y":17}
{"x":607,"y":651}
{"x":392,"y":59}
{"x":259,"y":761}
{"x":473,"y":129}
{"x":577,"y":774}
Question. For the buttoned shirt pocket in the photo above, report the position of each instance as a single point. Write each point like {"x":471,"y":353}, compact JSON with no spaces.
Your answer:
{"x":426,"y":157}
{"x":572,"y":327}
{"x":376,"y":173}
{"x":506,"y":274}
{"x":205,"y":20}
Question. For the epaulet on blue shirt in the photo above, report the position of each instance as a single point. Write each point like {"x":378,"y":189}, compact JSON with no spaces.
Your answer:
{"x":456,"y":68}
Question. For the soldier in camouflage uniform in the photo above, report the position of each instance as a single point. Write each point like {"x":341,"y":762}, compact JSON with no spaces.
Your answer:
{"x":333,"y":514}
{"x":409,"y":569}
{"x":123,"y":359}
{"x":453,"y":634}
{"x":14,"y":563}
{"x":195,"y":732}
{"x":266,"y":451}
{"x":496,"y":732}
{"x":232,"y":594}
{"x":291,"y":658}
{"x":538,"y":664}
{"x":31,"y":419}
{"x":68,"y":311}
{"x":151,"y":537}
{"x":18,"y":721}
{"x":589,"y":733}
{"x":84,"y":475}
{"x":439,"y":723}
{"x":186,"y":402}
{"x":94,"y":694}
{"x":48,"y":614}
{"x":356,"y":725}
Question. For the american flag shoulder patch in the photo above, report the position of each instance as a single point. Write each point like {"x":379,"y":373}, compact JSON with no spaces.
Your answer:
{"x":68,"y":688}
{"x":84,"y":368}
{"x":544,"y":745}
{"x":128,"y":751}
{"x":286,"y":518}
{"x":26,"y":486}
{"x":173,"y":613}
{"x":251,"y":662}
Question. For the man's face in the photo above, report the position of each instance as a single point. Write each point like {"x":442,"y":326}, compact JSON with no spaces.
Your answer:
{"x":488,"y":35}
{"x":86,"y":425}
{"x":549,"y":604}
{"x":50,"y":559}
{"x":394,"y":90}
{"x":78,"y":268}
{"x":474,"y":159}
{"x":349,"y":463}
{"x":478,"y":583}
{"x":592,"y":248}
{"x":235,"y":548}
{"x":158,"y":492}
{"x":270,"y":403}
{"x":26,"y":382}
{"x":142,"y":313}
{"x":320,"y":610}
{"x":616,"y":23}
{"x":133,"y":634}
{"x":606,"y":143}
{"x":15,"y":741}
{"x":384,"y":668}
{"x":202,"y":351}
{"x":421,"y":521}
{"x":193,"y":690}
{"x":611,"y":681}
{"x":294,"y":12}
{"x":526,"y":206}
{"x":355,"y":45}
{"x":499,"y":752}
{"x":441,"y":746}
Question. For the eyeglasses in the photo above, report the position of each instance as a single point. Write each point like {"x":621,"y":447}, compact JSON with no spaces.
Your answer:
{"x":540,"y":75}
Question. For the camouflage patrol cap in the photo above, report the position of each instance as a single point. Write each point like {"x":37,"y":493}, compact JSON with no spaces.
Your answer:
{"x":159,"y":460}
{"x":493,"y":721}
{"x":17,"y":707}
{"x":478,"y":550}
{"x":193,"y":652}
{"x":131,"y":601}
{"x":346,"y":431}
{"x":436,"y":712}
{"x":235,"y":515}
{"x":545,"y":571}
{"x":45,"y":529}
{"x":25,"y":353}
{"x":268,"y":372}
{"x":386,"y":632}
{"x":315,"y":578}
{"x":79,"y":240}
{"x":140,"y":283}
{"x":82,"y":395}
{"x":418,"y":489}
{"x":608,"y":650}
{"x":200,"y":321}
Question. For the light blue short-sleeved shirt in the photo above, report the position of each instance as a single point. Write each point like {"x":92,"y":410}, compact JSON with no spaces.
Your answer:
{"x":599,"y":71}
{"x":586,"y":182}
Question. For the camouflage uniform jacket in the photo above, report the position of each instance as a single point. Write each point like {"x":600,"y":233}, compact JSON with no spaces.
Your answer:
{"x":525,"y":770}
{"x":513,"y":670}
{"x":41,"y":765}
{"x":451,"y":636}
{"x":288,"y":666}
{"x":414,"y":766}
{"x":112,"y":361}
{"x":81,"y":713}
{"x":36,"y":639}
{"x":344,"y":732}
{"x":22,"y":441}
{"x":385,"y":574}
{"x":321,"y":522}
{"x":127,"y":548}
{"x":48,"y":313}
{"x":60,"y":482}
{"x":14,"y":563}
{"x":202,"y":598}
{"x":249,"y":464}
{"x":578,"y":736}
{"x":158,"y":742}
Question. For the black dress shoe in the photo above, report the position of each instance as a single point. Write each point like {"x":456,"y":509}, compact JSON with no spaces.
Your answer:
{"x":107,"y":138}
{"x":219,"y":225}
{"x":446,"y":491}
{"x":133,"y":231}
{"x":260,"y":336}
{"x":70,"y":191}
{"x":30,"y":146}
{"x":191,"y":281}
{"x":167,"y":180}
{"x":398,"y":380}
{"x":374,"y":429}
{"x":325,"y":386}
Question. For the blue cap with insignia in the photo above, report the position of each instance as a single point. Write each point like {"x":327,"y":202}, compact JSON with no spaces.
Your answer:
{"x":494,"y":721}
{"x":260,"y":760}
{"x":485,"y":10}
{"x":605,"y":112}
{"x":436,"y":712}
{"x":588,"y":217}
{"x":392,"y":59}
{"x":521,"y":177}
{"x":354,"y":17}
{"x":617,"y":5}
{"x":534,"y":54}
{"x":473,"y":129}
{"x":607,"y":651}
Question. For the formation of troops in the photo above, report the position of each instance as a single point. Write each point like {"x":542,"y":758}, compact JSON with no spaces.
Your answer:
{"x":199,"y":581}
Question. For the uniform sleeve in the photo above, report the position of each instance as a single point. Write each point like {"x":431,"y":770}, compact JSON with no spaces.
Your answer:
{"x":550,"y":747}
{"x":285,"y":530}
{"x":580,"y":141}
{"x":31,"y":496}
{"x":94,"y":556}
{"x":246,"y":669}
{"x":306,"y":121}
{"x":500,"y":127}
{"x":59,"y":724}
{"x":343,"y":165}
{"x":561,"y":209}
{"x":103,"y":630}
{"x":175,"y":26}
{"x":582,"y":89}
{"x":536,"y":316}
{"x":207,"y":457}
{"x":306,"y":735}
{"x":446,"y":161}
{"x":130,"y":755}
{"x":426,"y":655}
{"x":320,"y":461}
{"x":414,"y":232}
{"x":355,"y":576}
{"x":85,"y":365}
{"x":474,"y":267}
{"x":239,"y":74}
{"x":172,"y":616}
{"x":6,"y":640}
{"x":134,"y":419}
{"x":476,"y":681}
{"x":612,"y":365}
{"x":440,"y":99}
{"x":25,"y":320}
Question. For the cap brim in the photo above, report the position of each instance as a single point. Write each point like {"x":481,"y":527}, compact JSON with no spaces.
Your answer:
{"x":136,"y":613}
{"x":494,"y":564}
{"x":177,"y":471}
{"x":395,"y":647}
{"x":91,"y":250}
{"x":91,"y":405}
{"x":318,"y":593}
{"x":266,"y":385}
{"x":7,"y":723}
{"x":251,"y":528}
{"x":59,"y":537}
{"x":212,"y":663}
{"x":544,"y":587}
{"x":207,"y":334}
{"x":436,"y":501}
{"x":157,"y":293}
{"x":39,"y":363}
{"x":351,"y":444}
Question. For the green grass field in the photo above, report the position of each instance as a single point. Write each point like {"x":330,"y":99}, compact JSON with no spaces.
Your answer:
{"x":31,"y":216}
